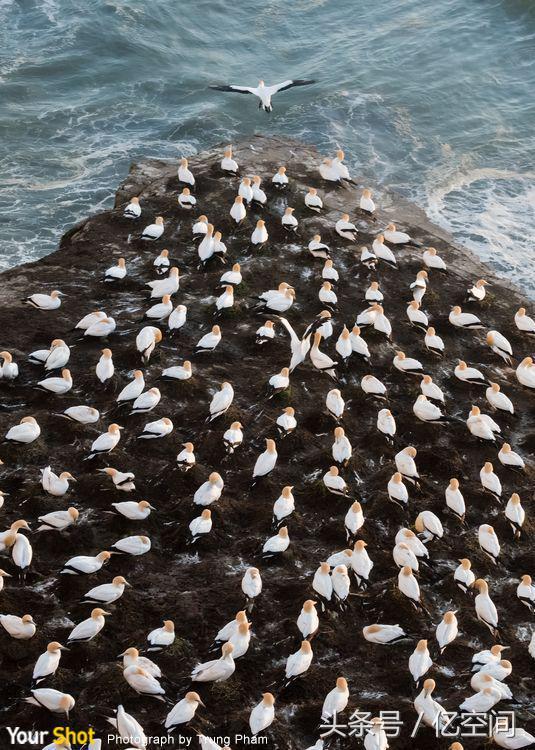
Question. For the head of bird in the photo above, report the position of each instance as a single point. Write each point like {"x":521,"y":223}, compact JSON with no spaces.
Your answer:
{"x":465,"y":562}
{"x":506,"y":448}
{"x":356,"y":507}
{"x":187,"y":365}
{"x":97,"y":613}
{"x":281,"y":170}
{"x":430,"y":331}
{"x":526,"y":580}
{"x":406,"y":571}
{"x":120,"y":581}
{"x":243,"y":628}
{"x":289,"y":211}
{"x":526,"y":362}
{"x":56,"y":293}
{"x":227,"y":649}
{"x":135,"y":200}
{"x":114,"y":429}
{"x":327,"y":286}
{"x":400,"y":355}
{"x":422,"y":275}
{"x":429,"y":686}
{"x":236,"y":426}
{"x":206,"y":514}
{"x":334,"y":471}
{"x":253,"y":572}
{"x":345,"y":217}
{"x":481,"y":585}
{"x":325,"y":568}
{"x":421,"y":645}
{"x":431,"y":251}
{"x":6,"y":356}
{"x":360,"y":545}
{"x":495,"y":387}
{"x":54,"y":647}
{"x":106,"y":353}
{"x":283,"y":532}
{"x":20,"y":524}
{"x":309,"y":605}
{"x":419,"y":524}
{"x":340,"y":155}
{"x":270,"y":446}
{"x":340,"y":570}
{"x":103,"y":557}
{"x":356,"y":332}
{"x":410,"y":451}
{"x":131,"y":652}
{"x":193,"y":697}
{"x":188,"y":447}
{"x":414,"y":305}
{"x":398,"y":479}
{"x":28,"y":420}
{"x":456,"y":746}
{"x":216,"y":330}
{"x":515,"y":499}
{"x":287,"y":491}
{"x":339,"y":433}
{"x":144,"y":504}
{"x":27,"y":619}
{"x":73,"y":513}
{"x":341,"y":684}
{"x":488,"y":467}
{"x":186,"y":191}
{"x":490,"y":338}
{"x":449,"y":617}
{"x":317,"y":238}
{"x":159,"y":221}
{"x":366,"y":193}
{"x":164,"y":253}
{"x":169,"y":626}
{"x":306,"y":648}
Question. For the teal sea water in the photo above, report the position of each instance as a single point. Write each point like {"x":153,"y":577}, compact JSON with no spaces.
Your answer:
{"x":434,"y":99}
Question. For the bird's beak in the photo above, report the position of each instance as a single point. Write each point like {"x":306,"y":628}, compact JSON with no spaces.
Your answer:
{"x":64,"y":648}
{"x":121,"y":655}
{"x":202,"y":704}
{"x":106,"y":613}
{"x":128,"y":584}
{"x":7,"y":575}
{"x":152,"y":507}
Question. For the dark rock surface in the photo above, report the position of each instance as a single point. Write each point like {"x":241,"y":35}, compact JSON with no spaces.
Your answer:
{"x":200,"y":590}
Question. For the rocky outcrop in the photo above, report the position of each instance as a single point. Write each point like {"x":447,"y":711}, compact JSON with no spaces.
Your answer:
{"x":200,"y":589}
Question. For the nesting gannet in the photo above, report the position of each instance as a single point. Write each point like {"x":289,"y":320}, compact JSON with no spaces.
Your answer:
{"x":525,"y":372}
{"x":373,"y":386}
{"x":366,"y":203}
{"x":81,"y":414}
{"x":106,"y":593}
{"x":53,"y":700}
{"x":45,"y":301}
{"x":57,"y":385}
{"x":48,"y":662}
{"x":200,"y":227}
{"x":416,"y":316}
{"x":335,"y":483}
{"x":298,"y":347}
{"x":386,"y":423}
{"x":469,"y":374}
{"x":263,"y":714}
{"x":276,"y":544}
{"x":508,"y":457}
{"x":406,"y":465}
{"x":21,"y":628}
{"x":85,"y":564}
{"x":25,"y":432}
{"x":376,"y":737}
{"x":133,"y":209}
{"x":232,"y":277}
{"x":289,"y":222}
{"x":117,"y":272}
{"x":335,"y":404}
{"x":431,"y":390}
{"x":105,"y":367}
{"x":322,"y":323}
{"x":146,"y":341}
{"x":128,"y":729}
{"x":431,"y":713}
{"x":464,"y":320}
{"x":209,"y":341}
{"x":343,"y":344}
{"x":260,"y":234}
{"x":361,"y":563}
{"x":433,"y":343}
{"x":58,"y":520}
{"x":490,"y":481}
{"x":340,"y":167}
{"x":265,"y":463}
{"x":210,"y":491}
{"x":336,"y":700}
{"x":251,"y":584}
{"x":429,"y":526}
{"x":201,"y":525}
{"x":131,"y":656}
{"x":374,"y":316}
{"x":346,"y":229}
{"x":318,"y":249}
{"x":515,"y":514}
{"x":419,"y":286}
{"x":373,"y":293}
{"x":320,"y":360}
{"x":88,"y":629}
{"x":383,"y":634}
{"x":512,"y":738}
{"x":233,"y":437}
{"x":408,"y":585}
{"x":105,"y":442}
{"x":368,"y":258}
{"x":482,"y":701}
{"x":206,"y":248}
{"x":486,"y":611}
{"x":161,"y":638}
{"x":183,"y":711}
{"x":133,"y":389}
{"x":383,"y":252}
{"x":186,"y":200}
{"x":161,"y":262}
{"x":263,"y":92}
{"x":40,"y":356}
{"x":408,"y":537}
{"x":427,"y":411}
{"x":280,"y":301}
{"x":523,"y":322}
{"x":178,"y":372}
{"x":161,"y":310}
{"x":481,"y":681}
{"x":341,"y":448}
{"x":122,"y":480}
{"x":454,"y":499}
{"x":477,"y":292}
{"x":134,"y":510}
{"x":54,"y":484}
{"x":299,"y":662}
{"x":488,"y":541}
{"x":492,"y":656}
{"x":185,"y":175}
{"x":500,"y":346}
{"x":447,"y":630}
{"x":228,"y":630}
{"x":308,"y":620}
{"x":407,"y":364}
{"x":186,"y":457}
{"x":313,"y":200}
{"x":499,"y":400}
{"x":101,"y":328}
{"x":153,"y":231}
{"x":168,"y":285}
{"x":216,"y":670}
{"x":329,"y":171}
{"x":143,"y":682}
{"x":327,"y":295}
{"x":432,"y":260}
{"x":280,"y":178}
{"x":322,"y":583}
{"x":353,"y":520}
{"x":177,"y":318}
{"x":396,"y":237}
{"x":146,"y":401}
{"x":226,"y":300}
{"x":9,"y":370}
{"x":132,"y":545}
{"x":21,"y":552}
{"x":286,"y":422}
{"x":525,"y":591}
{"x":463,"y":576}
{"x":420,"y":661}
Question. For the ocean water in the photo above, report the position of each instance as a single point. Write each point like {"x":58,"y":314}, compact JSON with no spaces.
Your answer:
{"x":434,"y":99}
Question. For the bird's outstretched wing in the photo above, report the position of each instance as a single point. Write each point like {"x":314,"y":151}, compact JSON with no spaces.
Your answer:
{"x":288,"y":85}
{"x":235,"y":89}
